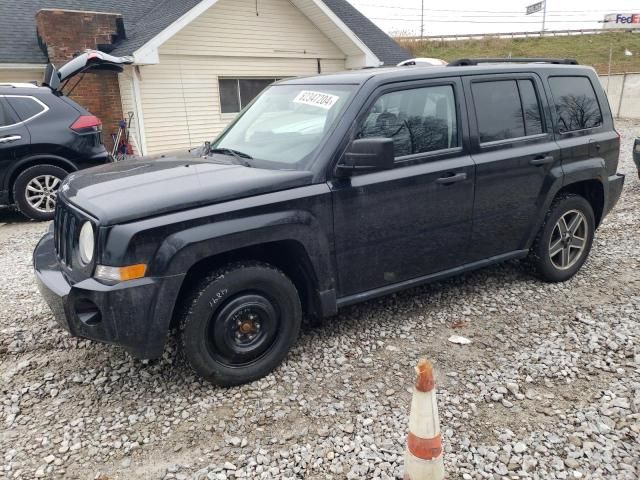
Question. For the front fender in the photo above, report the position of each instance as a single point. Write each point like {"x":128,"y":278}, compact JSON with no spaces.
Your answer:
{"x":183,"y":249}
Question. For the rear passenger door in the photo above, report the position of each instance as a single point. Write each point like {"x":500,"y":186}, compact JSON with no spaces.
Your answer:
{"x":14,"y":138}
{"x":516,"y":157}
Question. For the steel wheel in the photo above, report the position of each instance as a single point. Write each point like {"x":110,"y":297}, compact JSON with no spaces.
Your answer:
{"x":41,"y":193}
{"x":568,"y":239}
{"x":243,"y":329}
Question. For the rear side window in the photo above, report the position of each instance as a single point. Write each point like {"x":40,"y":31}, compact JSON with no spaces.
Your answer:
{"x":8,"y":116}
{"x":419,"y":120}
{"x":26,"y":107}
{"x":576,"y":103}
{"x":5,"y":117}
{"x":498,"y":110}
{"x":531,"y":108}
{"x":507,"y":109}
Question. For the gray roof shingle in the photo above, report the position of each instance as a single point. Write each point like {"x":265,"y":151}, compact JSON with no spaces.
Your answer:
{"x":144,"y":19}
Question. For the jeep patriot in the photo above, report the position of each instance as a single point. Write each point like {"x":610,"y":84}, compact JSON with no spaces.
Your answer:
{"x":327,"y":191}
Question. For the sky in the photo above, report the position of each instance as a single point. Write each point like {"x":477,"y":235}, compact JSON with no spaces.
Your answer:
{"x":490,"y":16}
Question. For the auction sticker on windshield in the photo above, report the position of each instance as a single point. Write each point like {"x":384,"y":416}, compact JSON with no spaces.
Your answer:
{"x":316,"y":99}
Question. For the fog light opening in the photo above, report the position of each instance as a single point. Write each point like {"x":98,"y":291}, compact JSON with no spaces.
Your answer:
{"x":88,"y":312}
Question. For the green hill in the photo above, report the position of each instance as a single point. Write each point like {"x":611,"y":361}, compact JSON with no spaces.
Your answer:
{"x":587,"y":49}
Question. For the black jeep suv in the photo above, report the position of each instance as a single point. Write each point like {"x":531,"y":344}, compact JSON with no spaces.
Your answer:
{"x":44,"y":135}
{"x":327,"y":191}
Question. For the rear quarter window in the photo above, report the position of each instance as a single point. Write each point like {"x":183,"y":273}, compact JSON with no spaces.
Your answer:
{"x":26,"y":107}
{"x":576,"y":103}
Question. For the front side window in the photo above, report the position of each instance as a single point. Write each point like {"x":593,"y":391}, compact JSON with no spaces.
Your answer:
{"x":285,"y":125}
{"x":237,"y":93}
{"x":419,"y":120}
{"x":576,"y":103}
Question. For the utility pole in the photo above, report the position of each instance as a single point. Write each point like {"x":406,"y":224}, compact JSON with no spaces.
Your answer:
{"x":544,"y":16}
{"x":422,"y":20}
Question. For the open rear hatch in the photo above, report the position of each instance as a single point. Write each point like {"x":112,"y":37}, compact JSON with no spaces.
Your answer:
{"x":91,"y":60}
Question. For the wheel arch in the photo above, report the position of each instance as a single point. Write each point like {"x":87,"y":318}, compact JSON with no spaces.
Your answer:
{"x":288,"y":255}
{"x":32,"y":161}
{"x":591,"y":190}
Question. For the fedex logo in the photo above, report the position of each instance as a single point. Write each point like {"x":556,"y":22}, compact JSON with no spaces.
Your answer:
{"x":623,"y":18}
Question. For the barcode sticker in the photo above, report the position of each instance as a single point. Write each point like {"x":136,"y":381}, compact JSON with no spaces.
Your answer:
{"x":316,"y":99}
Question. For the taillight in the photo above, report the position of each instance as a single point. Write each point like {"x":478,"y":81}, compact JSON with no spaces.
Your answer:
{"x":86,"y":124}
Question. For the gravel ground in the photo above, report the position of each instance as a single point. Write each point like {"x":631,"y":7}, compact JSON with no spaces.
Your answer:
{"x":549,"y":388}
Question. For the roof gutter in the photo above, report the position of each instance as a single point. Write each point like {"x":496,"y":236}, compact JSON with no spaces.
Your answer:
{"x":23,"y":66}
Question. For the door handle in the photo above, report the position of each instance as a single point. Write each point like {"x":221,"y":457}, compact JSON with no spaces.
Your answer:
{"x":10,"y":138}
{"x":541,"y":160}
{"x":452,"y":178}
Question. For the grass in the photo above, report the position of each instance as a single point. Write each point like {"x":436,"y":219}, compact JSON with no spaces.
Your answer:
{"x":587,"y":49}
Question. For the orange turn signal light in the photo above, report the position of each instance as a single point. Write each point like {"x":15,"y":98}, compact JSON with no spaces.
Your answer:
{"x":132,"y":272}
{"x":113,"y":275}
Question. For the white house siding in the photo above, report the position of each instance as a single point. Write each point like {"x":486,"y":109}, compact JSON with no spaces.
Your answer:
{"x":181,"y":104}
{"x":232,"y":28}
{"x":21,"y":75}
{"x":180,"y":99}
{"x":127,"y":95}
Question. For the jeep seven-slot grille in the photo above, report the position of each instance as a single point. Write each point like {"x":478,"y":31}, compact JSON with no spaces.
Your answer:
{"x":64,"y":232}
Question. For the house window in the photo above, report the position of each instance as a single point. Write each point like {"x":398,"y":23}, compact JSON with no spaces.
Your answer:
{"x":237,"y":93}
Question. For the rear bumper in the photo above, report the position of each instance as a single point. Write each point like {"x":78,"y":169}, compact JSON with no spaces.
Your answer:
{"x":134,"y":314}
{"x":94,"y":160}
{"x":615,"y":184}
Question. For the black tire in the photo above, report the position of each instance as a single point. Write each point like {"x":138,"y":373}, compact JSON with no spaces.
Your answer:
{"x":549,"y":267}
{"x":239,"y":323}
{"x":20,"y":190}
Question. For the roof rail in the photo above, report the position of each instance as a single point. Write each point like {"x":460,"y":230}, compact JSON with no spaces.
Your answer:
{"x":463,"y":62}
{"x":18,"y":85}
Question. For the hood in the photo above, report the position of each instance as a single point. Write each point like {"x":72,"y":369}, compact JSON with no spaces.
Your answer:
{"x":132,"y":190}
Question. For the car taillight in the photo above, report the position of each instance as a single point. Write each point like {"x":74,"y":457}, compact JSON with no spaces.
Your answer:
{"x":86,"y":124}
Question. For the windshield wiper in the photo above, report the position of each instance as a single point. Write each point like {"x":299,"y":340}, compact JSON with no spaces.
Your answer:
{"x":241,"y":157}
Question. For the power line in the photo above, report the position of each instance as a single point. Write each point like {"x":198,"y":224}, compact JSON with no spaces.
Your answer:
{"x":480,"y":21}
{"x":395,"y":7}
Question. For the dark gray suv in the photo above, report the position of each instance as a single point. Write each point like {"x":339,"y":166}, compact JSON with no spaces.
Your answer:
{"x":44,"y":135}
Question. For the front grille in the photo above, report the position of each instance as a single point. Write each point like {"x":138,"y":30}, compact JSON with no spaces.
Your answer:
{"x":64,"y":232}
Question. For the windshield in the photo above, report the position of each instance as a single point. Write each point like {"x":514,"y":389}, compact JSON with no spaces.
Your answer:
{"x":285,"y":125}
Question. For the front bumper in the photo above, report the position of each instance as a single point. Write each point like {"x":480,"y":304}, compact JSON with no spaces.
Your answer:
{"x":134,"y":314}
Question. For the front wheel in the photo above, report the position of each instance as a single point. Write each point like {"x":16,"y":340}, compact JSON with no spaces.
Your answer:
{"x":564,"y":241}
{"x":240,"y":322}
{"x":35,"y":191}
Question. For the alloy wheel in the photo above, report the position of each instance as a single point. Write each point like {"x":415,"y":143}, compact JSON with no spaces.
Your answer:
{"x":41,"y":193}
{"x":568,"y":239}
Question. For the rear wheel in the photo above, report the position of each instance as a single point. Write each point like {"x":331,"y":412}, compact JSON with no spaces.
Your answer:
{"x":240,"y":322}
{"x":35,"y":191}
{"x":564,"y":241}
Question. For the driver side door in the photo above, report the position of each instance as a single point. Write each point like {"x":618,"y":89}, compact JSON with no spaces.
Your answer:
{"x":413,"y":220}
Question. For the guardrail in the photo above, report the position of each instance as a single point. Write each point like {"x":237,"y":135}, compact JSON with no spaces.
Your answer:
{"x":546,"y":33}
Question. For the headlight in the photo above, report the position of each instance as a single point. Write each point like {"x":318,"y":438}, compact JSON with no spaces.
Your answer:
{"x":86,"y":244}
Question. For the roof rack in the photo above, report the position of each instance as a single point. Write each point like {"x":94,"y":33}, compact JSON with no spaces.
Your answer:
{"x":464,"y":62}
{"x":18,"y":85}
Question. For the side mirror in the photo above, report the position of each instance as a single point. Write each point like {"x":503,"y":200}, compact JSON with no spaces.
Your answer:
{"x":367,"y":154}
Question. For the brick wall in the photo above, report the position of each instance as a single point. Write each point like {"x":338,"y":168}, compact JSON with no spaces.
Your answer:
{"x":65,"y":33}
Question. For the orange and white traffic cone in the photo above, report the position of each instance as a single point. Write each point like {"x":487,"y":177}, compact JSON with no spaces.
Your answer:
{"x":423,"y":458}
